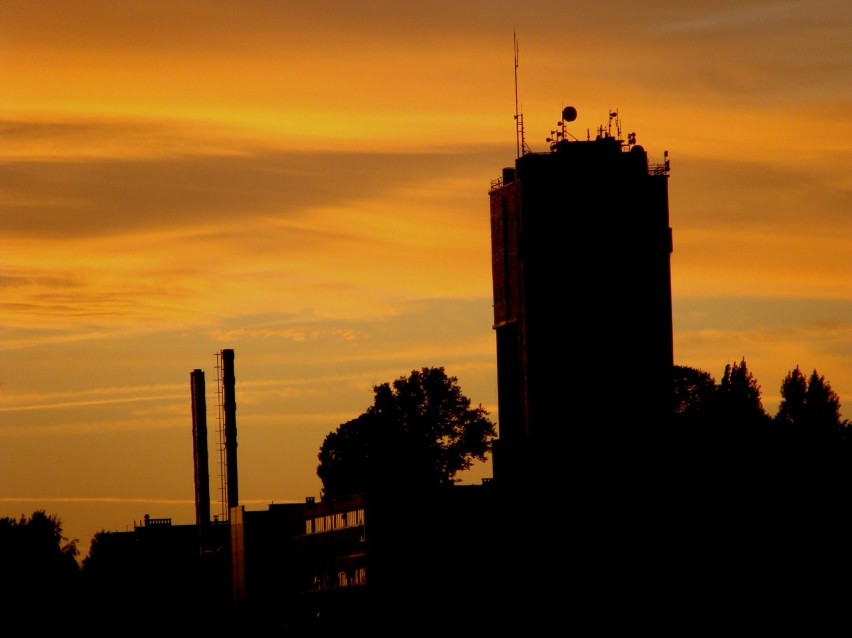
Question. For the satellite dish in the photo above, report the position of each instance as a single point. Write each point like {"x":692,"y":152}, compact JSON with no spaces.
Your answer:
{"x":569,"y":114}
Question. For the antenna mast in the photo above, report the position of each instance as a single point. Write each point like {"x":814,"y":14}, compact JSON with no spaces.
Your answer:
{"x":519,"y":117}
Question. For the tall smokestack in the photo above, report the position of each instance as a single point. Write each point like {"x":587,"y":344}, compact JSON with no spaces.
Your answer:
{"x":199,"y":451}
{"x":229,"y":406}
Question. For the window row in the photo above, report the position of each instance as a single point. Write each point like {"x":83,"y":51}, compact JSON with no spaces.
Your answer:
{"x":329,"y":522}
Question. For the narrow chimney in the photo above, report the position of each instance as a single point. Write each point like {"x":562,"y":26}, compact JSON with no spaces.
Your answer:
{"x":229,"y":403}
{"x":199,"y":452}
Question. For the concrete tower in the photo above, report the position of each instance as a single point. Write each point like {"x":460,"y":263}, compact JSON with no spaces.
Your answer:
{"x":581,"y":249}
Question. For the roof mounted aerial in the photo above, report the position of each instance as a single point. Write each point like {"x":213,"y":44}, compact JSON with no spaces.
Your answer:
{"x":607,"y":133}
{"x":520,"y":142}
{"x":569,"y":114}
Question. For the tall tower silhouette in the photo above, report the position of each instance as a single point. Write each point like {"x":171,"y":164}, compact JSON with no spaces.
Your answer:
{"x":581,"y":247}
{"x":229,"y":415}
{"x":199,"y":451}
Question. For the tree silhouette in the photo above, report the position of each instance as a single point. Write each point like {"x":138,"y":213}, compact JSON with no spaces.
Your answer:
{"x":812,"y":433}
{"x":738,"y":396}
{"x":809,"y":408}
{"x":733,"y":412}
{"x":40,"y":570}
{"x":693,"y":391}
{"x":822,"y":408}
{"x":791,"y":410}
{"x":721,"y":423}
{"x":764,"y":497}
{"x":344,"y":457}
{"x":802,"y":455}
{"x":741,"y":425}
{"x":418,"y":434}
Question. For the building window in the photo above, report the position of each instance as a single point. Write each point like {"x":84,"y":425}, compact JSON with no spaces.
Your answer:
{"x":329,"y":522}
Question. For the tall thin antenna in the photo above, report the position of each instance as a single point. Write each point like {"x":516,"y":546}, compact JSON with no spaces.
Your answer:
{"x":520,"y":143}
{"x":517,"y":122}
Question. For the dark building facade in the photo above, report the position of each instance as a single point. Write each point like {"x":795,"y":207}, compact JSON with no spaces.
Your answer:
{"x":156,"y":575}
{"x":581,"y":252}
{"x":370,"y":561}
{"x":581,"y":247}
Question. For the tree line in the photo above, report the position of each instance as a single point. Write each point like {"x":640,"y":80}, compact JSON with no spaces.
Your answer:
{"x":809,"y":406}
{"x":726,"y":420}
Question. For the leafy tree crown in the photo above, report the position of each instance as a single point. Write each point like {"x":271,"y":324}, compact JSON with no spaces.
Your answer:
{"x":419,"y":433}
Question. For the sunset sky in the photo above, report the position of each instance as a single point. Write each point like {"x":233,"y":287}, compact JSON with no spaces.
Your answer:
{"x":307,"y":183}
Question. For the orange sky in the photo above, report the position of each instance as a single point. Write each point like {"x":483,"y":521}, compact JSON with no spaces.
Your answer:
{"x":307,"y":184}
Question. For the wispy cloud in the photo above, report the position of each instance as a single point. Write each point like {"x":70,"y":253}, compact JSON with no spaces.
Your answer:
{"x":89,"y":397}
{"x":95,"y":499}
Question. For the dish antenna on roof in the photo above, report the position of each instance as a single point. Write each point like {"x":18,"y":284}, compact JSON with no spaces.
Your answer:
{"x":569,"y":114}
